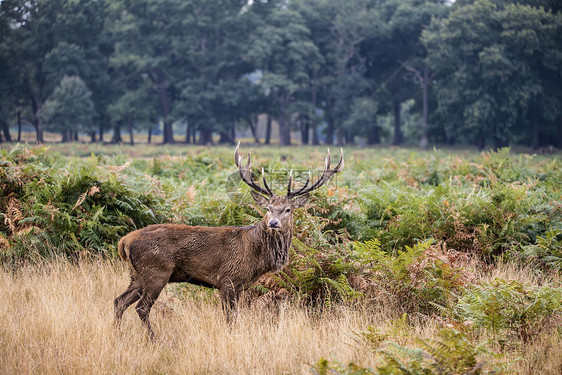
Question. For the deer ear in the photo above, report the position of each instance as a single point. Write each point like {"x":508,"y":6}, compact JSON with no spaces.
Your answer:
{"x":259,"y":199}
{"x":300,"y":201}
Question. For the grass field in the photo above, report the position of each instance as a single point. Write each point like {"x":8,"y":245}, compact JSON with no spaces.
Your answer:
{"x":57,"y":319}
{"x":413,"y":262}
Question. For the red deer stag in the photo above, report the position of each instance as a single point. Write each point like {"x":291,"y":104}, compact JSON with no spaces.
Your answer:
{"x":230,"y":259}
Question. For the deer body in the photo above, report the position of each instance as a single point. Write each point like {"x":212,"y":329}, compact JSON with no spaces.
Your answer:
{"x":230,"y":259}
{"x":206,"y":255}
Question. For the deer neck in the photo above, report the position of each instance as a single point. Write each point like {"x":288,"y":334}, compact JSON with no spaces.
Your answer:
{"x":273,"y":245}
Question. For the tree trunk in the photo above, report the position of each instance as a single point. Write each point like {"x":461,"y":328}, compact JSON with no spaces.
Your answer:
{"x":253,"y":124}
{"x":38,"y":130}
{"x":130,"y":128}
{"x":116,"y":134}
{"x":188,"y":133}
{"x":480,"y":141}
{"x":284,"y":128}
{"x":558,"y":140}
{"x":315,"y":140}
{"x":66,"y":137}
{"x":163,"y":96}
{"x":397,"y":107}
{"x":6,"y":130}
{"x":93,"y":136}
{"x":330,"y":119}
{"x":373,"y":136}
{"x":268,"y":130}
{"x":425,"y":90}
{"x":168,"y":133}
{"x":205,"y":137}
{"x":339,"y":136}
{"x":37,"y":104}
{"x":305,"y":128}
{"x":103,"y":122}
{"x":535,"y":143}
{"x":19,"y":126}
{"x":424,"y":84}
{"x":225,"y":138}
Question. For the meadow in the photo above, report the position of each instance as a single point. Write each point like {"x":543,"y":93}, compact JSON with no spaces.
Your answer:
{"x":409,"y":262}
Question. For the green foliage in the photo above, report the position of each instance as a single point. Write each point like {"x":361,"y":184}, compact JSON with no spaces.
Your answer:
{"x":487,"y":206}
{"x":492,"y":67}
{"x":413,"y":279}
{"x":319,"y":278}
{"x":452,"y":353}
{"x":547,"y":250}
{"x":490,"y":80}
{"x":374,"y":337}
{"x":81,"y":206}
{"x":69,"y":109}
{"x":509,"y":308}
{"x":324,"y":367}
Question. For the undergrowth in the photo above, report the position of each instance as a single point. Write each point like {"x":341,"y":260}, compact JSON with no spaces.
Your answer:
{"x":403,"y":232}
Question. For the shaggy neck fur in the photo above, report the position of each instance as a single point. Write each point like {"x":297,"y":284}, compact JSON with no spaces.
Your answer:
{"x":273,"y":245}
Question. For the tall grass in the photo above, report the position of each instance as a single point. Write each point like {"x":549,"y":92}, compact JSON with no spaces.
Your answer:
{"x":57,"y":318}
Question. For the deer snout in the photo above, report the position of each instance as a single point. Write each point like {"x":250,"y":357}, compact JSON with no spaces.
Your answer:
{"x":274,"y":223}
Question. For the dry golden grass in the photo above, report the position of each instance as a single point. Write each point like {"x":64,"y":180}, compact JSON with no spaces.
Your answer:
{"x":57,"y":318}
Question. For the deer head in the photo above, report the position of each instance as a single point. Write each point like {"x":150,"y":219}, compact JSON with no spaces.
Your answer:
{"x":280,"y":208}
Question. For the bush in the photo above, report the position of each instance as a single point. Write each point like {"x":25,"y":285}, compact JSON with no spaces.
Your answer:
{"x":508,"y":309}
{"x":418,"y":279}
{"x":451,"y":353}
{"x":83,"y":206}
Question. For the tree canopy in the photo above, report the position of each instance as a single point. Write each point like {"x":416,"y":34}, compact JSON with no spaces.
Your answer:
{"x":481,"y":72}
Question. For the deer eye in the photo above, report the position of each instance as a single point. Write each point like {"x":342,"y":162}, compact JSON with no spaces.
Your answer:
{"x":288,"y":210}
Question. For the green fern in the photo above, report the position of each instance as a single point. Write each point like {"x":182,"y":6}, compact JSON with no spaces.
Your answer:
{"x":508,"y":308}
{"x":452,"y":353}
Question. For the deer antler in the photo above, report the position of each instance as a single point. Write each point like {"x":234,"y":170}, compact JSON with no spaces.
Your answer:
{"x":246,"y":173}
{"x":326,"y":174}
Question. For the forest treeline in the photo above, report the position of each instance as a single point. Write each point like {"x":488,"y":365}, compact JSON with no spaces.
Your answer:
{"x":484,"y":72}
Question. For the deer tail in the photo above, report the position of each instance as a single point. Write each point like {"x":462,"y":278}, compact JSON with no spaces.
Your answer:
{"x":123,"y":248}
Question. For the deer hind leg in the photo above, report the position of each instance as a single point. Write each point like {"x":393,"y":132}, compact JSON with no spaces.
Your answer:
{"x":229,"y":297}
{"x":150,"y":292}
{"x":127,"y":298}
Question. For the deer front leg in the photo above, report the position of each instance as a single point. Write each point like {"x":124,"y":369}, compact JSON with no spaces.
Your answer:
{"x":229,"y":298}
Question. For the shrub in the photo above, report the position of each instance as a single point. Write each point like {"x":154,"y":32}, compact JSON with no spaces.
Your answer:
{"x":418,"y":279}
{"x":450,"y":354}
{"x":508,"y":308}
{"x":81,"y":206}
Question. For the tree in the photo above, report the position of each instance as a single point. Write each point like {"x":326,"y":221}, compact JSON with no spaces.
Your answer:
{"x":69,"y":109}
{"x":392,"y":46}
{"x":215,"y":91}
{"x":281,"y":48}
{"x":41,"y":32}
{"x":495,"y":65}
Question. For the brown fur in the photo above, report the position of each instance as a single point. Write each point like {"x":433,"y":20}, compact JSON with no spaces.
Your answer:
{"x":228,"y":258}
